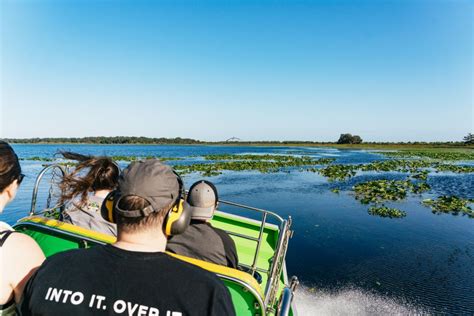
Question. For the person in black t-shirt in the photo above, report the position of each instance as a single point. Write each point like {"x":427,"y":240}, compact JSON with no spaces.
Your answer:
{"x":201,"y":240}
{"x":133,"y":276}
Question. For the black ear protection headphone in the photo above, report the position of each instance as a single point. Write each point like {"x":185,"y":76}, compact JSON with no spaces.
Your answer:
{"x":175,"y":222}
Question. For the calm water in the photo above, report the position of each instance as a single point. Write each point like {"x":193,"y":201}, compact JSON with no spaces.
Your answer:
{"x":423,"y":262}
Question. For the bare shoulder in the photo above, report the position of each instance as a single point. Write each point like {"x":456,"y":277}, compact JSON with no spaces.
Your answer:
{"x":23,"y":256}
{"x":21,"y":245}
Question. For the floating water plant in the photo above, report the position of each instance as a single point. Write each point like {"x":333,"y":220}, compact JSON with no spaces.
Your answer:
{"x":135,"y":158}
{"x":439,"y":155}
{"x":384,"y":211}
{"x":36,"y":158}
{"x":300,"y":159}
{"x":421,"y":175}
{"x":387,"y":190}
{"x":420,"y":187}
{"x":262,"y":163}
{"x":450,"y":205}
{"x":381,"y":190}
{"x":116,"y":158}
{"x":395,"y":165}
{"x":454,"y":168}
{"x":337,"y":172}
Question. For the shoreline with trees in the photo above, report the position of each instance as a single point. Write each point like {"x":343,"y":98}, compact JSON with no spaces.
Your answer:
{"x":126,"y":140}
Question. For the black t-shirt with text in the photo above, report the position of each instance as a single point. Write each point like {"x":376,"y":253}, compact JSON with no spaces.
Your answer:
{"x":106,"y":280}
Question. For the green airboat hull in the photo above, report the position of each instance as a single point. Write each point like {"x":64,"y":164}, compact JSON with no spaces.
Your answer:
{"x":248,"y":297}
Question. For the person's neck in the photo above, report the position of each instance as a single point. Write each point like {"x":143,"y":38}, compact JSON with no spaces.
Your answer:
{"x":143,"y":241}
{"x":3,"y":201}
{"x":101,"y":193}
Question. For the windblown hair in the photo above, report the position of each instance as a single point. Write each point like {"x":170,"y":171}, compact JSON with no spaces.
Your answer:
{"x":102,"y":173}
{"x":131,"y":225}
{"x":10,"y":168}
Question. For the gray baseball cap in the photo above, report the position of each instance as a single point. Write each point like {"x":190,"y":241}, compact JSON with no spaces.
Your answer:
{"x":203,"y":198}
{"x":151,"y":180}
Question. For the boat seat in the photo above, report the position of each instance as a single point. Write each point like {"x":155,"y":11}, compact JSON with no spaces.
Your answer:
{"x":54,"y":236}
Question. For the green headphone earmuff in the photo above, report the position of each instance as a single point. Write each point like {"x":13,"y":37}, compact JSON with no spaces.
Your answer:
{"x":175,"y":221}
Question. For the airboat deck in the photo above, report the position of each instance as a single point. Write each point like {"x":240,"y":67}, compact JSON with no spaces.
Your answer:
{"x":263,"y":289}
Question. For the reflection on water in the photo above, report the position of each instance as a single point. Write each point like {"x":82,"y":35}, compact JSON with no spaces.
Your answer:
{"x":360,"y":264}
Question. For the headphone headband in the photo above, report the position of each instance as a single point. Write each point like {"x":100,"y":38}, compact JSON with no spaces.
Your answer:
{"x":175,"y":222}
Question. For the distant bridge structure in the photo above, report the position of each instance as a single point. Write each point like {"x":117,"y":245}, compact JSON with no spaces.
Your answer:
{"x":233,"y":139}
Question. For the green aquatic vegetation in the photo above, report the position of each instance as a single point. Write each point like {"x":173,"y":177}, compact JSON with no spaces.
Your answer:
{"x":421,"y":175}
{"x":450,"y":205}
{"x":36,"y":158}
{"x":420,"y":187}
{"x":136,"y":158}
{"x":454,"y":168}
{"x":382,"y":190}
{"x":377,"y":191}
{"x":298,"y":160}
{"x":399,"y":165}
{"x":384,"y":211}
{"x":63,"y":163}
{"x":262,"y":163}
{"x":116,"y":158}
{"x":336,"y":172}
{"x":447,"y":155}
{"x":342,"y":172}
{"x":419,"y":169}
{"x":335,"y":190}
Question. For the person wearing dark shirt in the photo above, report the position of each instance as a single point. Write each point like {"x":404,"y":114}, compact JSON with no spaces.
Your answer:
{"x":201,"y":240}
{"x":133,"y":276}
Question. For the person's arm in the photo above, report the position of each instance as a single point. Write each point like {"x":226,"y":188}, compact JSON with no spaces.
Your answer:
{"x":231,"y":253}
{"x":24,"y":257}
{"x":229,"y":248}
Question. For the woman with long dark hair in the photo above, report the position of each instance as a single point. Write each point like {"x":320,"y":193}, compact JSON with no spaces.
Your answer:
{"x":84,"y":190}
{"x":19,"y":253}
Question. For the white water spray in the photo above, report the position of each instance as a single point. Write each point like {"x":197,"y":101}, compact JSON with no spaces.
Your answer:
{"x":350,"y":301}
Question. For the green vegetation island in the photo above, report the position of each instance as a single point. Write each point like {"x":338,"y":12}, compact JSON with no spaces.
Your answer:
{"x":345,"y":141}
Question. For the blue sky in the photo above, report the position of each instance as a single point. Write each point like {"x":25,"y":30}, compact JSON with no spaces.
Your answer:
{"x":257,"y":70}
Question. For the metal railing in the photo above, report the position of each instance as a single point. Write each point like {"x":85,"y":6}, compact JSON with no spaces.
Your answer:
{"x":278,"y":258}
{"x":40,"y":176}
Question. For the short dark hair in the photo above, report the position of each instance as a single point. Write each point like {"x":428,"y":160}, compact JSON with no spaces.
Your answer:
{"x":130,"y":225}
{"x":10,"y":169}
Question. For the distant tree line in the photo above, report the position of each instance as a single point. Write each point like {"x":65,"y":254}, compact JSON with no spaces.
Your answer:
{"x":106,"y":140}
{"x":123,"y":140}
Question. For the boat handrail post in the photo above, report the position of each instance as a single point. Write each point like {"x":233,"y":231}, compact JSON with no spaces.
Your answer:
{"x":37,"y":183}
{"x":259,"y":242}
{"x":275,"y":269}
{"x":277,"y":264}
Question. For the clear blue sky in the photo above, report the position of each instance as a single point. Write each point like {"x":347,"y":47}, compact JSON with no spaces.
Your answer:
{"x":257,"y":70}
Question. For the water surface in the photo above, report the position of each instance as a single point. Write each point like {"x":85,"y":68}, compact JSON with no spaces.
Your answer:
{"x":423,"y":262}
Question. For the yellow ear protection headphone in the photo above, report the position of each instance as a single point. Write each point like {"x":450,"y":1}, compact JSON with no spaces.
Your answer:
{"x":179,"y":216}
{"x":175,"y":222}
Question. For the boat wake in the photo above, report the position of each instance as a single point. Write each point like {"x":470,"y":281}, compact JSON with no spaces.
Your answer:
{"x":350,"y":301}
